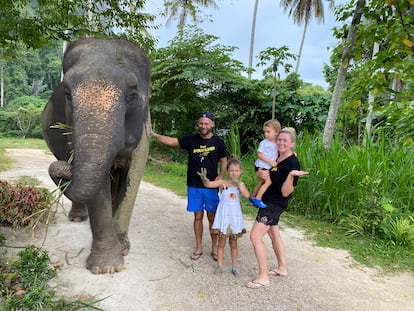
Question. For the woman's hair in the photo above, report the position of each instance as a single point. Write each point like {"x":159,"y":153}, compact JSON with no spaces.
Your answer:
{"x":274,"y":124}
{"x":233,"y":161}
{"x":291,"y":131}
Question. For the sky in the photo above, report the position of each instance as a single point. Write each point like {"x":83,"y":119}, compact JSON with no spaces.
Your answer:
{"x":232,"y":23}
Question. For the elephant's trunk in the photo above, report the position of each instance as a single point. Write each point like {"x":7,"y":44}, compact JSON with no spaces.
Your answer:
{"x":98,"y":136}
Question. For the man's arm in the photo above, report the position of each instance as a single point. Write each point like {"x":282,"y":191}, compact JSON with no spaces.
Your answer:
{"x":166,"y":140}
{"x":223,"y":166}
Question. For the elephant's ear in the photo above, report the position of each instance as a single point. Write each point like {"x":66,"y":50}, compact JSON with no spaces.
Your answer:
{"x":54,"y":113}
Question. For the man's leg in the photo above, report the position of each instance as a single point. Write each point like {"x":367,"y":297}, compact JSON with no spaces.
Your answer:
{"x":214,"y":237}
{"x":198,"y":231}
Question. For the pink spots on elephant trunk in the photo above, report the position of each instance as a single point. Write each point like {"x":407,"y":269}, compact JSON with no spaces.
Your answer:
{"x":96,"y":95}
{"x":98,"y":117}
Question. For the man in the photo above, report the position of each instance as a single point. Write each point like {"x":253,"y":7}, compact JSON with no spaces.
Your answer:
{"x":205,"y":150}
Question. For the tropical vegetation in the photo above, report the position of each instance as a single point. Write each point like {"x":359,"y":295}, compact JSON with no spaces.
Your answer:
{"x":356,"y":139}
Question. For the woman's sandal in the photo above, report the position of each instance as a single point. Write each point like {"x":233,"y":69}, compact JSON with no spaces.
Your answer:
{"x":275,"y":273}
{"x":256,"y":285}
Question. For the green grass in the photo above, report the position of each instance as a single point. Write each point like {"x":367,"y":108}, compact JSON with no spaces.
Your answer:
{"x":5,"y":162}
{"x":27,"y":143}
{"x":367,"y":251}
{"x":156,"y":175}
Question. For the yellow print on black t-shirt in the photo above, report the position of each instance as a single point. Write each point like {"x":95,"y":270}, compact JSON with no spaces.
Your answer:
{"x":203,"y":151}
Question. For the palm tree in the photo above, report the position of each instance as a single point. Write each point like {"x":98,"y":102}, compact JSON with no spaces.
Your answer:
{"x":256,"y":4}
{"x":340,"y":80}
{"x":277,"y":57}
{"x":303,"y":11}
{"x":184,"y":8}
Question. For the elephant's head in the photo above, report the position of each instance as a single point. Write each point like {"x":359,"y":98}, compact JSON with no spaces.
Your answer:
{"x":105,"y":92}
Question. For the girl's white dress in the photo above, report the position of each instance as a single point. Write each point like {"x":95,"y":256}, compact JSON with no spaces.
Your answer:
{"x":229,"y":218}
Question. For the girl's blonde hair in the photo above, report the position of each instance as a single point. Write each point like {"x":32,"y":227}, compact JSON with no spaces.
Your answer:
{"x":274,"y":124}
{"x":233,"y":161}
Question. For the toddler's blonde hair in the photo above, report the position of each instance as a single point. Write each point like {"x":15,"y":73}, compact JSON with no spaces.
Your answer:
{"x":274,"y":124}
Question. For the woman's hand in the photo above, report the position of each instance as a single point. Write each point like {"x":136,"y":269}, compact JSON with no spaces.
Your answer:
{"x":298,"y":173}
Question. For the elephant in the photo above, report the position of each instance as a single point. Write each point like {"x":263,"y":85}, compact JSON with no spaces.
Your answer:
{"x":102,"y":149}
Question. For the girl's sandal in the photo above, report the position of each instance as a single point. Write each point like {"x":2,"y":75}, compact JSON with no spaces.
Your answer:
{"x":236,"y":271}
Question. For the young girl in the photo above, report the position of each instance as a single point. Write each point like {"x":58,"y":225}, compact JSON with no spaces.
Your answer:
{"x":228,"y":222}
{"x":267,"y":156}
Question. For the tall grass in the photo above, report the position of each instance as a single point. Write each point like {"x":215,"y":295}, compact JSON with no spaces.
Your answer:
{"x":365,"y":189}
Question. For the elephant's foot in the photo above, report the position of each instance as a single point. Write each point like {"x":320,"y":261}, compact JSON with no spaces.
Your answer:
{"x":125,"y":245}
{"x":103,"y":264}
{"x":78,"y":212}
{"x":105,"y":270}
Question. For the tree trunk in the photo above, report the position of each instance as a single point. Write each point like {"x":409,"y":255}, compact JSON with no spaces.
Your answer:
{"x":256,"y":4}
{"x":301,"y":46}
{"x":2,"y":87}
{"x":340,"y":81}
{"x":371,"y":99}
{"x":274,"y":95}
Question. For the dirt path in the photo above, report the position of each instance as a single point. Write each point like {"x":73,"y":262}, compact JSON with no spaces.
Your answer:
{"x":159,"y":274}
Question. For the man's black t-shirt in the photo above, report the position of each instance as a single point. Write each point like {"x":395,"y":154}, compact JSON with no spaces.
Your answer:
{"x":202,"y":153}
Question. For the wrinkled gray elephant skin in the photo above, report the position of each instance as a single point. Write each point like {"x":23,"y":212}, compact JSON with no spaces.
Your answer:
{"x":104,"y":101}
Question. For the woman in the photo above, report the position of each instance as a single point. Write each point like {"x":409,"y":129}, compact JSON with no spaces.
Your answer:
{"x":284,"y":178}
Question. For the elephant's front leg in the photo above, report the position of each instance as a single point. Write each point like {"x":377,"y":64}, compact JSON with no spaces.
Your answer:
{"x":105,"y":254}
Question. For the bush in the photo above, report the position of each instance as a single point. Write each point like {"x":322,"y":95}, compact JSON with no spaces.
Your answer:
{"x":23,"y":283}
{"x":365,"y":190}
{"x":21,"y":117}
{"x":18,"y":203}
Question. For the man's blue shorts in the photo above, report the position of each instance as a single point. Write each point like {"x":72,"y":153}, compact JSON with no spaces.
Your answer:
{"x":199,"y":199}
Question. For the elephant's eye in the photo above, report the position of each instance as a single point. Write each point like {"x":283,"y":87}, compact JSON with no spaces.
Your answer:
{"x":68,"y":95}
{"x":131,"y":97}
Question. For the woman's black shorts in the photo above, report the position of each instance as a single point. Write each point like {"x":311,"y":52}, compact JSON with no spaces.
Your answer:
{"x":270,"y":215}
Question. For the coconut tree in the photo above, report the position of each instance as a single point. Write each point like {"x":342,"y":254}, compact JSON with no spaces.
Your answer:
{"x":303,"y":11}
{"x":256,"y":4}
{"x":343,"y":68}
{"x":181,"y":9}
